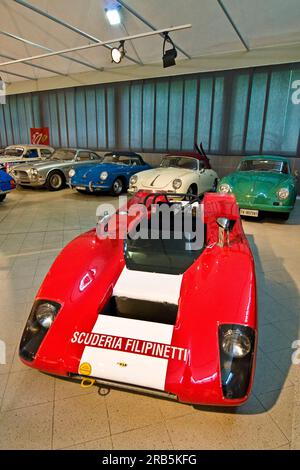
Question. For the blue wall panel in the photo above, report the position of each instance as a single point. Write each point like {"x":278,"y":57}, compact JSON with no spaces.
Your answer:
{"x":232,"y":112}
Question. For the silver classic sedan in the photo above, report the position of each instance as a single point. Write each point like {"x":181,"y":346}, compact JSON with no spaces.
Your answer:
{"x":53,"y":173}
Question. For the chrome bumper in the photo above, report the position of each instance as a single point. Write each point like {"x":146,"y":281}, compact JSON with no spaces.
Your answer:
{"x":30,"y":182}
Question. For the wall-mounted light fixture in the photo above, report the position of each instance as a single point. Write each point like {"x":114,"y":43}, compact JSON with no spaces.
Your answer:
{"x":117,"y":53}
{"x":170,"y":55}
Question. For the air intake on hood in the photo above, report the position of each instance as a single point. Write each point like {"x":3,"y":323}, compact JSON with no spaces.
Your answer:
{"x":137,"y":309}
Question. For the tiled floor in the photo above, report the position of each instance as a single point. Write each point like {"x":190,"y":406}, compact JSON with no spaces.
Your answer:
{"x":41,"y":412}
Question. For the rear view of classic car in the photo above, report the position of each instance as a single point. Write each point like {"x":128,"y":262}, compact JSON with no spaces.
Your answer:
{"x":262,"y":183}
{"x":167,"y":317}
{"x":113,"y":174}
{"x":7,"y":184}
{"x":53,"y":172}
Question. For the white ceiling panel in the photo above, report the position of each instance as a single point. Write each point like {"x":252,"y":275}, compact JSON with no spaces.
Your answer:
{"x":261,"y":23}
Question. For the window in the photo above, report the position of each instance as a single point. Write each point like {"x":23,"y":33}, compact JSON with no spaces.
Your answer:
{"x":94,"y":156}
{"x":62,"y":154}
{"x":82,"y":156}
{"x":31,"y":153}
{"x":263,"y":165}
{"x":180,"y":162}
{"x":45,"y":153}
{"x":13,"y":152}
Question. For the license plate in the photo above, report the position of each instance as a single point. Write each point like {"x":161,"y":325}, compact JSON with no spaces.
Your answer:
{"x":82,"y":188}
{"x":249,"y":212}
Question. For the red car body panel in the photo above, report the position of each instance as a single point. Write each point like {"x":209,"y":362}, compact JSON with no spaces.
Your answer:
{"x":218,"y":288}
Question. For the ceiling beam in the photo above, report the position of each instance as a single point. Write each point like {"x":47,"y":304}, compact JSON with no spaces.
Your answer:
{"x":67,"y":25}
{"x":150,"y":25}
{"x":55,"y":72}
{"x":16,"y":75}
{"x":91,"y":46}
{"x":30,"y":43}
{"x":228,"y":16}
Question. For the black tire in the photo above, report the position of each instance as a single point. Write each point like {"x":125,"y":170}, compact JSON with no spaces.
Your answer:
{"x":215,"y":186}
{"x":192,"y":190}
{"x":55,"y":181}
{"x":117,"y":187}
{"x":285,"y":215}
{"x":2,"y":197}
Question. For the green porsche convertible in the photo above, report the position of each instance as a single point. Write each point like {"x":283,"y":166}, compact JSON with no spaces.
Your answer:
{"x":262,"y":183}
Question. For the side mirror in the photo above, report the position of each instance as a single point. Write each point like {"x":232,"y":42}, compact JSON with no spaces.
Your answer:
{"x":225,"y":226}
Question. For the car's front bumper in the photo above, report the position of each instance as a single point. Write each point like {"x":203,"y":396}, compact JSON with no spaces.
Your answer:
{"x":29,"y":181}
{"x":135,"y":189}
{"x":90,"y":187}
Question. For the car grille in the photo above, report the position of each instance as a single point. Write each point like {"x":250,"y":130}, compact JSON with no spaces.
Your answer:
{"x":22,"y":176}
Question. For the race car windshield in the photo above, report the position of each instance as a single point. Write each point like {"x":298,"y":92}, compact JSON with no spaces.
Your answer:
{"x":63,"y":155}
{"x":14,"y":152}
{"x":162,"y":252}
{"x":180,"y":162}
{"x":263,"y":165}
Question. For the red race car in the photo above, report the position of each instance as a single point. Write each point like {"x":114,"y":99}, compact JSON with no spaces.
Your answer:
{"x":172,"y":316}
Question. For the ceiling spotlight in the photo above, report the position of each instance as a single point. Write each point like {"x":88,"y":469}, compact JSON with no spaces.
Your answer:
{"x":117,"y":53}
{"x":170,"y":55}
{"x":113,"y":15}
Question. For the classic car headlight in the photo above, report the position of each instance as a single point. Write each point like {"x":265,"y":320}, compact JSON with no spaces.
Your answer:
{"x":177,"y":183}
{"x":40,"y":320}
{"x":283,"y":193}
{"x":237,"y":347}
{"x":45,"y":314}
{"x":236,"y":344}
{"x":224,"y":188}
{"x":34,"y":171}
{"x":72,"y":173}
{"x":103,"y":175}
{"x":133,"y":180}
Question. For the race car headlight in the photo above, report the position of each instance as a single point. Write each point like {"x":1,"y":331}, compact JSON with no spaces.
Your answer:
{"x":235,"y":343}
{"x":41,"y":317}
{"x":103,"y":175}
{"x":133,"y":180}
{"x":45,"y":314}
{"x":177,"y":183}
{"x":283,"y":193}
{"x":224,"y":188}
{"x":237,"y":347}
{"x":72,"y":173}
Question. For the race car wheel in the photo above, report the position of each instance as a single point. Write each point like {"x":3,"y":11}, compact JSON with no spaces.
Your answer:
{"x":2,"y":197}
{"x":117,"y":187}
{"x":55,"y":181}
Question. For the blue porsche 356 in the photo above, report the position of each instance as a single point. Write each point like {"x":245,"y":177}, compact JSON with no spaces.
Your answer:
{"x":6,"y":184}
{"x":112,"y":174}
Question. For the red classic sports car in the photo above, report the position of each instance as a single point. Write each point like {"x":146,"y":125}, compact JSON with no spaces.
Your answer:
{"x":173,"y":317}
